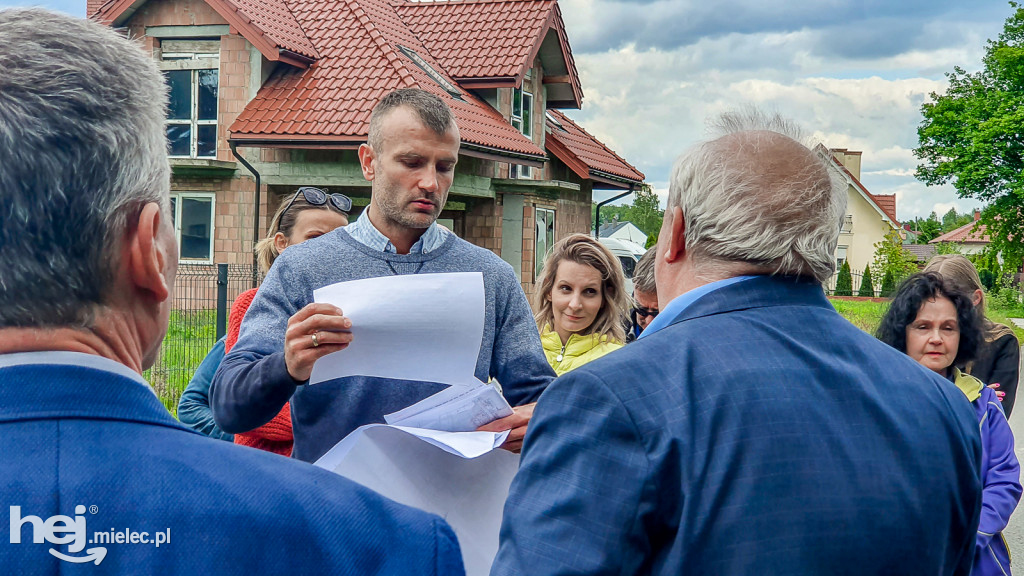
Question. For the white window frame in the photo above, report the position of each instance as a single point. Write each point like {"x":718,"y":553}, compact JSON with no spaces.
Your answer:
{"x":538,"y":258}
{"x":178,"y":197}
{"x":842,"y":253}
{"x":195,"y":62}
{"x":526,"y":128}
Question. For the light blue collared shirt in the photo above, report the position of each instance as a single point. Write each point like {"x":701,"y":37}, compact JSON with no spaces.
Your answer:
{"x":364,"y":232}
{"x":683,"y":301}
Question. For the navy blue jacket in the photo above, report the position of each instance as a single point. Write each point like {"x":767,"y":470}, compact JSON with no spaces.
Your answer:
{"x":758,"y":433}
{"x":100,"y":449}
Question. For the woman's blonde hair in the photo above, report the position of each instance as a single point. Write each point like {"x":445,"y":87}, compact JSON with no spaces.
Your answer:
{"x":284,"y":221}
{"x":584,"y":250}
{"x":958,"y":272}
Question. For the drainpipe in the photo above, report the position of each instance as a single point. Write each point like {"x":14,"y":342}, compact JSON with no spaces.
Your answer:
{"x":597,"y":216}
{"x":256,"y":212}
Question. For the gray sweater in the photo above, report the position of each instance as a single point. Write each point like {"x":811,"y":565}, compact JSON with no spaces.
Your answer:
{"x":253,"y":384}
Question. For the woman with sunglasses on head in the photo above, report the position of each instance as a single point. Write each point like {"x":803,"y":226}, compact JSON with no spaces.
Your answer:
{"x":580,"y":302}
{"x":938,"y":326}
{"x":309,"y":213}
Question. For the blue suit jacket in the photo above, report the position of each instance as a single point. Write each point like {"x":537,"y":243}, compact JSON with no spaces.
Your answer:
{"x":759,"y":433}
{"x":100,"y":449}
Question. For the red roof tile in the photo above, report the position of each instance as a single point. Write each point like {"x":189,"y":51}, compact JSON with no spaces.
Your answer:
{"x":583,"y":153}
{"x":359,"y":56}
{"x":887,"y":202}
{"x":972,"y":232}
{"x":268,"y":24}
{"x":480,"y":39}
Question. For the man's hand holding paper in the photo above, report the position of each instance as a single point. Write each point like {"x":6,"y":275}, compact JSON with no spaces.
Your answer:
{"x":313,"y":332}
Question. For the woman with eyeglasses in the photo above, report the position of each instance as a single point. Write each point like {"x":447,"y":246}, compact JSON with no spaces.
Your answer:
{"x":580,"y":302}
{"x":938,"y":326}
{"x":309,"y":213}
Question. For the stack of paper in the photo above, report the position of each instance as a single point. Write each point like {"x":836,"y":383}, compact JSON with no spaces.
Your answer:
{"x":427,"y":328}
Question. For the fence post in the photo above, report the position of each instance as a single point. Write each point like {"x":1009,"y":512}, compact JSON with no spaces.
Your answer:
{"x":222,"y":300}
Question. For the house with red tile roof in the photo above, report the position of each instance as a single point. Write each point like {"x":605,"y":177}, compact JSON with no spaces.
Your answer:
{"x":869,"y":217}
{"x":270,"y":95}
{"x":972,"y":237}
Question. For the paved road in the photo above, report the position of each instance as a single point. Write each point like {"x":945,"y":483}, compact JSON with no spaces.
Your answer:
{"x":1015,"y":531}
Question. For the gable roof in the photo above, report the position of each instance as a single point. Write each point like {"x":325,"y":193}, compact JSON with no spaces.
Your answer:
{"x":361,"y":58}
{"x":492,"y":43}
{"x":585,"y":155}
{"x":971,"y":233}
{"x":269,"y":25}
{"x":876,"y":202}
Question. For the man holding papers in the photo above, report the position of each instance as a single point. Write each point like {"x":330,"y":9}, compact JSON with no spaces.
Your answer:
{"x":410,"y":158}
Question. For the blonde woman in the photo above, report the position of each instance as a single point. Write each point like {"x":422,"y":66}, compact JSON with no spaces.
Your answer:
{"x":997,"y":361}
{"x":311,"y":212}
{"x":580,"y":303}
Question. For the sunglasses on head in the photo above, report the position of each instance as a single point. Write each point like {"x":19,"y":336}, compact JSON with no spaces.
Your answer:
{"x":317,"y":197}
{"x":641,"y":311}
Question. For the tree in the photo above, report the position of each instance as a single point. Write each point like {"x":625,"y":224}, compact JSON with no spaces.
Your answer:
{"x":891,"y":258}
{"x":949,"y":248}
{"x":645,"y":213}
{"x":888,"y":285}
{"x":973,"y":136}
{"x":844,"y":282}
{"x":866,"y":287}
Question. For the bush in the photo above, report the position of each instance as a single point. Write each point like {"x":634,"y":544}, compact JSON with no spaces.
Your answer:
{"x":867,"y":287}
{"x":888,"y":284}
{"x":844,"y":283}
{"x":988,"y":278}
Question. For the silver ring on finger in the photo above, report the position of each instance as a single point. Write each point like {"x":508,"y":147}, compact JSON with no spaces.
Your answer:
{"x":316,"y":339}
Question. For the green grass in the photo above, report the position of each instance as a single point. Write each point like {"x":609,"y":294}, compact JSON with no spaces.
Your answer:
{"x":190,"y":335}
{"x":863,"y":314}
{"x":866,"y":315}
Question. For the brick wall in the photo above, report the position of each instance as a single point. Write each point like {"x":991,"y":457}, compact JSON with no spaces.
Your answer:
{"x":482,"y":225}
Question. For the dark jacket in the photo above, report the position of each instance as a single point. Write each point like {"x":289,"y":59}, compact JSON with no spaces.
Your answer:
{"x":998,"y":362}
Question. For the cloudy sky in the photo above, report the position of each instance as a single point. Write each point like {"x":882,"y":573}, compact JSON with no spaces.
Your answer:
{"x":854,"y":74}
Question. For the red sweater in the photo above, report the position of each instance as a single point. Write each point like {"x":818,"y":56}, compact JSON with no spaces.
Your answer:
{"x":274,"y":436}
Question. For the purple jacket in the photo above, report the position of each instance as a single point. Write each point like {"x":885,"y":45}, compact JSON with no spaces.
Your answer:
{"x":1000,"y":476}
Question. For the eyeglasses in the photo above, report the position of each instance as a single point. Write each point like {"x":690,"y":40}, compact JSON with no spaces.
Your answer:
{"x":317,"y":197}
{"x":641,"y":311}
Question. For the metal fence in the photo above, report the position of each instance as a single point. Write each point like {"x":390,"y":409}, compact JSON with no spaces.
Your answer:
{"x":203,"y":295}
{"x":830,"y":286}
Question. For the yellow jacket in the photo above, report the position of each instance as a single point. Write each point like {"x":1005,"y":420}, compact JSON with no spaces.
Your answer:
{"x":579,"y":350}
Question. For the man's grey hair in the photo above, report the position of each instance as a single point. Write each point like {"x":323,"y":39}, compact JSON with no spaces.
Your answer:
{"x":758,"y":198}
{"x":434,"y":113}
{"x":82,"y":149}
{"x":643,"y":274}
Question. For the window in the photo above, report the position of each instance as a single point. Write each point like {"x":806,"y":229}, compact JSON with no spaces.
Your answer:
{"x":522,"y":120}
{"x":840,"y":256}
{"x":191,"y":70}
{"x":847,"y":225}
{"x":192,"y":213}
{"x":544,"y":238}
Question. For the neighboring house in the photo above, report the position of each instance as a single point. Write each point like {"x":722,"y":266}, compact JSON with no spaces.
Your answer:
{"x":269,"y":95}
{"x":624,"y":230}
{"x":921,"y":252}
{"x":868,"y":216}
{"x":972,"y":237}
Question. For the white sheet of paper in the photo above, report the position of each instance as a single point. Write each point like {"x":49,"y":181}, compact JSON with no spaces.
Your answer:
{"x":419,"y":327}
{"x":404,"y":465}
{"x":454,"y":409}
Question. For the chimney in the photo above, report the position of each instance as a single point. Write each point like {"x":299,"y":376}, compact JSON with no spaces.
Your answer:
{"x":977,"y":215}
{"x":850,"y":159}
